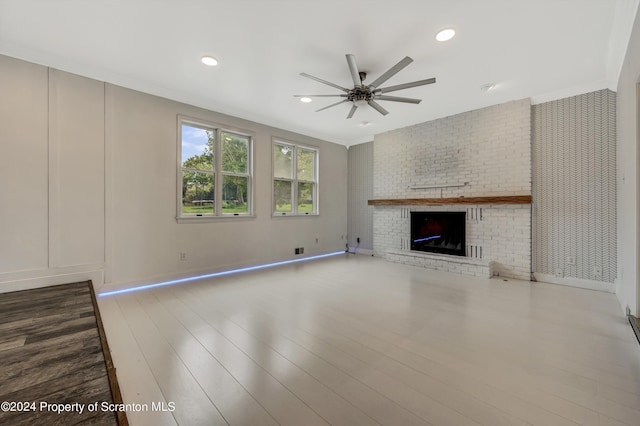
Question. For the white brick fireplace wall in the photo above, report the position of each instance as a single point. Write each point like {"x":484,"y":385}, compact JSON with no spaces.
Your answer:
{"x":488,"y":151}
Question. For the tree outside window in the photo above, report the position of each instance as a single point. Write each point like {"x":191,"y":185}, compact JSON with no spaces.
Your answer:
{"x":215,"y":172}
{"x":294,"y":179}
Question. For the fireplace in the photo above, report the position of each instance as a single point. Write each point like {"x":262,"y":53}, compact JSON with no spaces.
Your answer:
{"x":438,"y":232}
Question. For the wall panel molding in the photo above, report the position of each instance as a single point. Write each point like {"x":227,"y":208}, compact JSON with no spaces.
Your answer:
{"x":360,"y":189}
{"x":23,"y":166}
{"x":76,"y":170}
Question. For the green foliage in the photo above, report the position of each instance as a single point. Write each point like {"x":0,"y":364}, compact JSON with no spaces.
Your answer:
{"x":198,"y":188}
{"x":197,"y":209}
{"x":305,"y":164}
{"x":282,"y":195}
{"x":196,"y":185}
{"x":235,"y":153}
{"x":227,"y":208}
{"x":304,"y":171}
{"x":286,"y":208}
{"x":235,"y":159}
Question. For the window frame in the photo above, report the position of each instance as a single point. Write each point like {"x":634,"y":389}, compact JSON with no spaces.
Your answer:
{"x":217,"y":172}
{"x":294,"y":180}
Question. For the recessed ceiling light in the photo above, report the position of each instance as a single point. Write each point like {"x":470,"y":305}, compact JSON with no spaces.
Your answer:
{"x":305,"y":100}
{"x":488,"y":87}
{"x":209,"y":60}
{"x":446,"y":34}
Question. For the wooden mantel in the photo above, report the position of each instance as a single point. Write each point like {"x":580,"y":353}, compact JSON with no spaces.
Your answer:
{"x":505,"y":199}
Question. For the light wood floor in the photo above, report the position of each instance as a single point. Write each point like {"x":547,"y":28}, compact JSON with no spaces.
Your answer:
{"x":354,"y":340}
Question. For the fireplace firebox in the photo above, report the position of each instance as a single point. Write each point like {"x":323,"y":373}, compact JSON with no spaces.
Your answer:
{"x":438,"y":232}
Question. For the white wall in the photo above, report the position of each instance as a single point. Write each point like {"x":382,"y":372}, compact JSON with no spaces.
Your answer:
{"x":146,"y":238}
{"x":627,"y":175}
{"x":88,"y":188}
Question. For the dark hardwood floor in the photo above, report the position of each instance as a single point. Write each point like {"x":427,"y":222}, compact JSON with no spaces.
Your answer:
{"x":635,"y":324}
{"x":51,"y":352}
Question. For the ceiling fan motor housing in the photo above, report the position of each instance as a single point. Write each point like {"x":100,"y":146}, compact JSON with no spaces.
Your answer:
{"x":360,"y":94}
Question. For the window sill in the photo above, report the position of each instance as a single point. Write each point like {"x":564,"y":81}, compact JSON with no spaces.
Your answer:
{"x":280,"y":215}
{"x":206,"y":219}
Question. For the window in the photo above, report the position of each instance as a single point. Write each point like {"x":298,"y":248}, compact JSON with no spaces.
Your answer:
{"x":214,"y":173}
{"x":295,"y":179}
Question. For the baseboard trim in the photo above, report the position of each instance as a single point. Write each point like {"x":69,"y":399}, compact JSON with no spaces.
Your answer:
{"x":49,"y":278}
{"x":576,"y":282}
{"x":200,"y":273}
{"x":357,"y":250}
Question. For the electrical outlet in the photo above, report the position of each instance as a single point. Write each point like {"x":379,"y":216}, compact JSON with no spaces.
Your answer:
{"x":571,"y":261}
{"x":301,"y":250}
{"x":559,"y":273}
{"x":183,"y":256}
{"x":297,"y":250}
{"x":597,"y":271}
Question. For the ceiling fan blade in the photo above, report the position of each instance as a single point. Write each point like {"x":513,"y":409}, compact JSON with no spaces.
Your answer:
{"x":328,"y":83}
{"x":405,"y":86}
{"x":353,"y":69}
{"x":391,"y":72}
{"x":378,"y":107}
{"x":319,"y":96}
{"x":353,"y":110}
{"x":398,"y":99}
{"x":332,"y":105}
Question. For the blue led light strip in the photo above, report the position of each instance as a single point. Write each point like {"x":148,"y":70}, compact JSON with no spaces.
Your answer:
{"x":426,"y":239}
{"x":217,"y":274}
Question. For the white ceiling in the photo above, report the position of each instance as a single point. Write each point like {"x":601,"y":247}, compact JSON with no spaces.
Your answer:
{"x":543,"y":49}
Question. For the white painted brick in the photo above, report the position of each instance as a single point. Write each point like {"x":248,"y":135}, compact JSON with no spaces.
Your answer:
{"x":491,"y":149}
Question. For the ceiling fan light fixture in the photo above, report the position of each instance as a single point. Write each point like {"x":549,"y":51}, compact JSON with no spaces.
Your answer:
{"x":305,"y":99}
{"x":209,"y":61}
{"x":446,"y":34}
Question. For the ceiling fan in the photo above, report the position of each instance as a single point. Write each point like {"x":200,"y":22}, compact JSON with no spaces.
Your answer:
{"x":372,"y":92}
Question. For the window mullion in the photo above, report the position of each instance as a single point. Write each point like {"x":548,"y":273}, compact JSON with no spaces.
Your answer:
{"x":236,"y":174}
{"x":250,"y":206}
{"x":294,"y":183}
{"x":190,"y":170}
{"x":218,"y":174}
